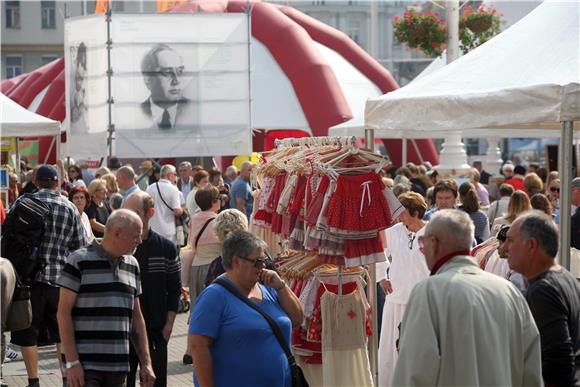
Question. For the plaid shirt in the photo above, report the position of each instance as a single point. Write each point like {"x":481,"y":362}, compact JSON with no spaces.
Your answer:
{"x":63,"y":234}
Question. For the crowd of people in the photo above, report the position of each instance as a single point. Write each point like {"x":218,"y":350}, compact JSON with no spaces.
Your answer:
{"x":481,"y":215}
{"x":124,"y":239}
{"x":121,"y":247}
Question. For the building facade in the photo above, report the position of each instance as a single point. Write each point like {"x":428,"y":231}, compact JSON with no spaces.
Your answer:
{"x":33,"y":31}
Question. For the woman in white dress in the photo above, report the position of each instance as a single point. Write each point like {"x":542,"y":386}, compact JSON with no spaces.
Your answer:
{"x":407,"y":268}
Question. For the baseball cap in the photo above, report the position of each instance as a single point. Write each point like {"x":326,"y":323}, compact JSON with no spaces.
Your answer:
{"x":576,"y":182}
{"x":46,"y":173}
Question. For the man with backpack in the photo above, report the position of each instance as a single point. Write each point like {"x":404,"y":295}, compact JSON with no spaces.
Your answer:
{"x":61,"y":232}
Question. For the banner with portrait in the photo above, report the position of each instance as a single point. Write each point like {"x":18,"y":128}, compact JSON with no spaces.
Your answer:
{"x":180,"y":85}
{"x":86,"y":86}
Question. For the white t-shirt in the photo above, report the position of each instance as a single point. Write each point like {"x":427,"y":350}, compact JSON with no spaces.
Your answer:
{"x":163,"y":220}
{"x":408,"y":266}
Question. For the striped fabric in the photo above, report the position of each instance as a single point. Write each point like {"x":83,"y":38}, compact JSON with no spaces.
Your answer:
{"x":104,"y":306}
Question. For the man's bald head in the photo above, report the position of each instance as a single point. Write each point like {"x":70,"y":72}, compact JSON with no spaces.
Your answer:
{"x":122,"y":219}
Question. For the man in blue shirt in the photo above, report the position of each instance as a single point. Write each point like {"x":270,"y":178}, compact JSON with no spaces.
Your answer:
{"x":241,"y":194}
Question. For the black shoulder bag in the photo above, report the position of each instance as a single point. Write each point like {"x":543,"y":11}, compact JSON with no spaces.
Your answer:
{"x":201,"y":231}
{"x":298,"y":379}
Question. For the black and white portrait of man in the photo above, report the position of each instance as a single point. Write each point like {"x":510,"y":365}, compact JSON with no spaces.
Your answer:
{"x":163,"y":73}
{"x":78,"y":89}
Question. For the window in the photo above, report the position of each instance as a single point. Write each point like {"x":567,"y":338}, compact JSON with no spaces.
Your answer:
{"x":12,"y":14}
{"x":13,"y":65}
{"x":118,"y":6}
{"x":354,"y":30}
{"x":48,"y":14}
{"x":46,"y":59}
{"x":318,"y":2}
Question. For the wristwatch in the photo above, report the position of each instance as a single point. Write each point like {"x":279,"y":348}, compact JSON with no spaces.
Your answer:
{"x":71,"y":364}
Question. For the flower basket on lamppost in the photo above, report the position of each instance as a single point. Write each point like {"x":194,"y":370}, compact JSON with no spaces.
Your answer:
{"x":421,"y":30}
{"x":426,"y":32}
{"x":477,"y":27}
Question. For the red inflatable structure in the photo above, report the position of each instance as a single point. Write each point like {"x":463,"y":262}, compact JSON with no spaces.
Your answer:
{"x":288,"y":35}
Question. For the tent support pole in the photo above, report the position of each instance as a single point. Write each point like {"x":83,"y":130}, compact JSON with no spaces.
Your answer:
{"x":565,"y":166}
{"x":404,"y":151}
{"x":58,"y":147}
{"x":110,"y":101}
{"x":372,"y":287}
{"x":17,"y":155}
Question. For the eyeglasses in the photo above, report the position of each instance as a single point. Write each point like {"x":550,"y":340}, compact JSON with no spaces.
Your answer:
{"x":554,"y":189}
{"x":411,"y":237}
{"x":78,"y":197}
{"x":169,"y":72}
{"x":258,"y":263}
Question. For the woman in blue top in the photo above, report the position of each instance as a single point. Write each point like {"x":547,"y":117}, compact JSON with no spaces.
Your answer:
{"x":232,"y":344}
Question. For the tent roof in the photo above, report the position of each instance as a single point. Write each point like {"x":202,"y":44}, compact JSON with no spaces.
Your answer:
{"x":526,"y":77}
{"x":16,"y":121}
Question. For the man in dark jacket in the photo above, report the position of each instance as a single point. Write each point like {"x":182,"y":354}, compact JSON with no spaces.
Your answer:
{"x":161,"y":282}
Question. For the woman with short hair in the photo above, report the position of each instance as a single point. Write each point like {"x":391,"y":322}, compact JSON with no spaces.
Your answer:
{"x":80,"y":197}
{"x":98,"y":210}
{"x":533,"y":184}
{"x":407,"y":268}
{"x":200,"y":181}
{"x":232,"y":344}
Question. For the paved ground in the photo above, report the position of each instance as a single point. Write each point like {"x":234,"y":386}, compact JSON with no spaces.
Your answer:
{"x":178,"y":374}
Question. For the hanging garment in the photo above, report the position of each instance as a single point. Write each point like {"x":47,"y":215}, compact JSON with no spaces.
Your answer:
{"x":263,"y":215}
{"x":358,"y":205}
{"x":345,"y":360}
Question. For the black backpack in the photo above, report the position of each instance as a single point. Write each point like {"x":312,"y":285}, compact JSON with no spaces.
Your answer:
{"x":22,"y":234}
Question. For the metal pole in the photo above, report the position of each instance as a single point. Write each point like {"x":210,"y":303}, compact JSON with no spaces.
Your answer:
{"x":372,"y":288}
{"x":110,"y":101}
{"x":249,"y":22}
{"x":404,"y":153}
{"x":565,"y":167}
{"x":17,"y":155}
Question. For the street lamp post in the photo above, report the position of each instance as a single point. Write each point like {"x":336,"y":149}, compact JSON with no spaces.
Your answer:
{"x":452,"y":156}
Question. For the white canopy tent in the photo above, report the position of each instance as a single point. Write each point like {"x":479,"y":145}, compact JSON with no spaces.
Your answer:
{"x":526,"y":77}
{"x":16,"y":121}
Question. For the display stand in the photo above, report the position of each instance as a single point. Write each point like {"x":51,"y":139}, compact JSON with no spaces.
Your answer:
{"x":371,"y":286}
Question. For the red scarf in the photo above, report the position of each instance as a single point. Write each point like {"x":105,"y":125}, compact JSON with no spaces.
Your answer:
{"x":443,"y":260}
